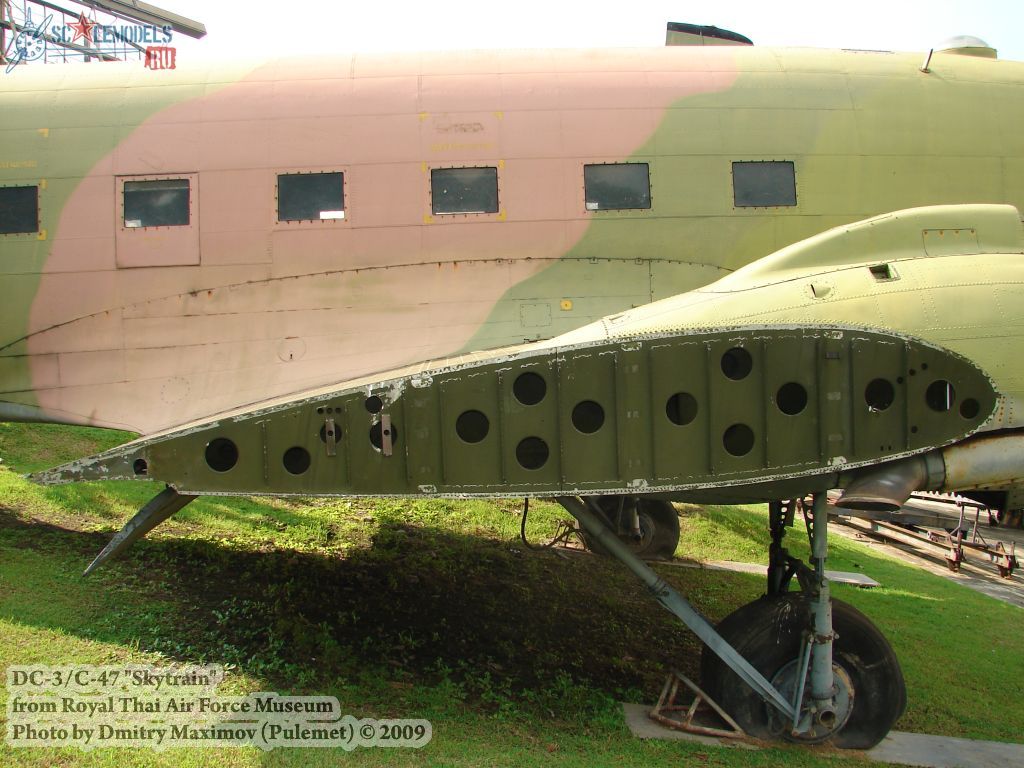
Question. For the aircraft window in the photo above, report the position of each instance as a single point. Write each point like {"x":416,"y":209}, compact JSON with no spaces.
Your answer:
{"x":156,"y":203}
{"x":19,"y":210}
{"x":310,"y":196}
{"x":617,"y":186}
{"x":763,"y":184}
{"x":464,"y":190}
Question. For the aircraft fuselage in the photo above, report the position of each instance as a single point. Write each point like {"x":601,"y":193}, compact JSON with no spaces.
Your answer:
{"x":110,"y":323}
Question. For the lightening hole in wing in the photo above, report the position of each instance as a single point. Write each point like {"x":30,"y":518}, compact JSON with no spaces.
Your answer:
{"x":221,"y":454}
{"x":791,"y":398}
{"x":737,"y":363}
{"x":940,"y":396}
{"x":296,"y":460}
{"x":738,"y":439}
{"x":529,"y":388}
{"x":970,"y":408}
{"x":374,"y":404}
{"x":681,"y":408}
{"x":532,"y":453}
{"x":879,"y":394}
{"x":472,"y":426}
{"x":588,"y":417}
{"x":333,"y":434}
{"x":377,"y":435}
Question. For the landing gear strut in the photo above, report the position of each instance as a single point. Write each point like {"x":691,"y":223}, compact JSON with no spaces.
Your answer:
{"x":822,"y":654}
{"x":796,"y":665}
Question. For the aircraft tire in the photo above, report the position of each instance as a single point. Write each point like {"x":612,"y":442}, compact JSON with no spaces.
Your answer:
{"x":659,"y":523}
{"x":767,"y":632}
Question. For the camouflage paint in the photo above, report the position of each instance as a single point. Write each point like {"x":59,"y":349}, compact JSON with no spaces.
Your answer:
{"x":530,"y":438}
{"x":58,"y":127}
{"x":150,"y":346}
{"x":950,"y":275}
{"x":159,"y":346}
{"x":758,"y":386}
{"x":868,"y":132}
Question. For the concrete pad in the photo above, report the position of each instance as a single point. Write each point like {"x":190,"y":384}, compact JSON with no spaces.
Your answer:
{"x":974,"y":573}
{"x":946,"y":752}
{"x":839,"y":577}
{"x":916,"y":749}
{"x":641,"y":726}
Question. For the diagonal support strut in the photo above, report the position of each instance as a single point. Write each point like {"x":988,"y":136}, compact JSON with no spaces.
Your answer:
{"x":157,"y":509}
{"x":676,"y":604}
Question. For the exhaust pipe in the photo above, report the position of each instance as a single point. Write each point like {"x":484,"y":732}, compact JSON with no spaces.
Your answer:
{"x":983,"y":462}
{"x":993,"y":460}
{"x":886,"y":488}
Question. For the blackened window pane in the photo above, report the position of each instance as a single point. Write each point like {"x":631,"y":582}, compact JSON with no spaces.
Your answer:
{"x":464,"y":190}
{"x":302,"y":196}
{"x":158,"y":203}
{"x":763,"y":184}
{"x":617,"y":186}
{"x":19,"y":210}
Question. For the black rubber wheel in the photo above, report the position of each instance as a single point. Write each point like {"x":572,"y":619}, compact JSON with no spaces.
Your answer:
{"x":768,"y":631}
{"x":659,"y":528}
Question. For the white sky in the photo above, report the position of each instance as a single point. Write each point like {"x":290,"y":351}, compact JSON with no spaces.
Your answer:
{"x":259,"y":28}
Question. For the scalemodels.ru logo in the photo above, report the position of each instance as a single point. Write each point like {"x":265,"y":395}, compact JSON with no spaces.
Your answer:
{"x":88,"y":38}
{"x":91,"y":33}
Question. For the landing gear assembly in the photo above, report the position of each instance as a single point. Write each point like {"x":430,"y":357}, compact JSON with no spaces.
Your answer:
{"x":795,"y":665}
{"x":649,"y":527}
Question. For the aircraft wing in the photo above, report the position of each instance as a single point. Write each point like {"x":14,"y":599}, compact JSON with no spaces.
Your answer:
{"x":830,"y":364}
{"x":653,"y":413}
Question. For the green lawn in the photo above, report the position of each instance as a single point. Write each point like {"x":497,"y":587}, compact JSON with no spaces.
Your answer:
{"x":435,"y":610}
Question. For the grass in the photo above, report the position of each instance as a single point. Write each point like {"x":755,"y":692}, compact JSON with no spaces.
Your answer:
{"x":434,"y":609}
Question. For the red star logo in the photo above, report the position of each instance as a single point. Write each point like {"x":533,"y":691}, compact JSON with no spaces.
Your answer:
{"x":83,"y":28}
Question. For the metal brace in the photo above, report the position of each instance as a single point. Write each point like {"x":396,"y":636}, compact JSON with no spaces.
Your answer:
{"x":675,"y":603}
{"x":330,"y":433}
{"x":385,"y":434}
{"x":1005,"y":561}
{"x":681,"y":716}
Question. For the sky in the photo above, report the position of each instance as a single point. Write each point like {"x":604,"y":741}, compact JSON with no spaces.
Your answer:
{"x":258,"y":28}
